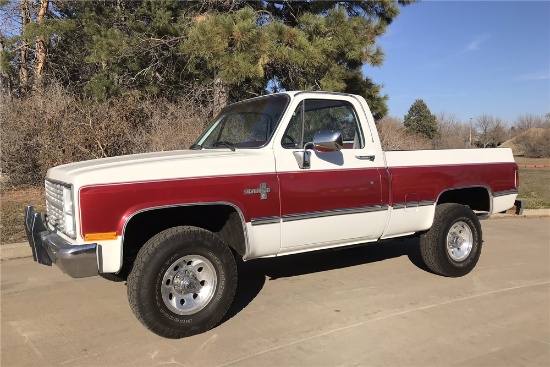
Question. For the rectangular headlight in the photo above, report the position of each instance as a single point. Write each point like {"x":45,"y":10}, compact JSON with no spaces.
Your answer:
{"x":68,"y":210}
{"x":60,"y":207}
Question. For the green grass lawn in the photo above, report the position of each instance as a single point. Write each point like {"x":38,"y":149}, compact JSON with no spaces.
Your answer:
{"x":534,"y":187}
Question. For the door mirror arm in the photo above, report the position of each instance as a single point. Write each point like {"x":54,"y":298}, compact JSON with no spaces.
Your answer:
{"x":323,"y":141}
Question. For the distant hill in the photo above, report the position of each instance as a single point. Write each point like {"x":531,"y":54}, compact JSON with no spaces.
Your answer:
{"x":533,"y":134}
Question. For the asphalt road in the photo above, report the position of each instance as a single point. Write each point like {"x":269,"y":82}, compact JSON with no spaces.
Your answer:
{"x":373,"y":305}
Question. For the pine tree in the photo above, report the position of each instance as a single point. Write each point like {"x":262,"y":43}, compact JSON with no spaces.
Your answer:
{"x":27,"y":30}
{"x":419,"y":120}
{"x":212,"y":51}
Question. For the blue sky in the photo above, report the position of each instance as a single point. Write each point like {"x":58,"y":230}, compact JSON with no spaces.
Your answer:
{"x":468,"y":58}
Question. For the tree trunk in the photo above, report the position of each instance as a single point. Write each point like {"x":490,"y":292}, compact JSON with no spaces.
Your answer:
{"x":5,"y":77}
{"x":221,"y":95}
{"x":41,"y":47}
{"x":23,"y":71}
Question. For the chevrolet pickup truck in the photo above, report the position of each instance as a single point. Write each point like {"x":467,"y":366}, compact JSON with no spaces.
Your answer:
{"x":275,"y":175}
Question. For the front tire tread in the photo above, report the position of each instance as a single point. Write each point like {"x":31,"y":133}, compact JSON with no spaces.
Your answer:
{"x":155,"y":251}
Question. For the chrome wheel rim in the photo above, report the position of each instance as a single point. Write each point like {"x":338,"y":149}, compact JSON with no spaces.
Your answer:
{"x":460,"y":241}
{"x":189,"y":284}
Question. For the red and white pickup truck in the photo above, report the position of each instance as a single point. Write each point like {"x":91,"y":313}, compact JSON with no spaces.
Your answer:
{"x":271,"y":176}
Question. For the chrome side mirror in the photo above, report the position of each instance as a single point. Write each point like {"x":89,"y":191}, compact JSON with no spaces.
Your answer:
{"x":323,"y":141}
{"x":328,"y":141}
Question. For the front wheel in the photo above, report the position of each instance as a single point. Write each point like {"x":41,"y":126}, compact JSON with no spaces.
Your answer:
{"x":452,"y":246}
{"x":183,"y":282}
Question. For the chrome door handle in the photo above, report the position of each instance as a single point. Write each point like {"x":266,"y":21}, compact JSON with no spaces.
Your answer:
{"x":366,"y":157}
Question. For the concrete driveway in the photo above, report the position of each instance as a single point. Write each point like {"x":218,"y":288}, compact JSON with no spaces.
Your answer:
{"x":372,"y":305}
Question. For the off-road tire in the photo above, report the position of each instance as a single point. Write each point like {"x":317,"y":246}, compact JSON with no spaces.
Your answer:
{"x":436,"y":245}
{"x":155,"y":264}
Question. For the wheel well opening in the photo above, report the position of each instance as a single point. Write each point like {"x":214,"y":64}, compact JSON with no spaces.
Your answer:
{"x":222,"y":220}
{"x":477,"y":198}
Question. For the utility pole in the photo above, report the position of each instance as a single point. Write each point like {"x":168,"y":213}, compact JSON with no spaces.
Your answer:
{"x":471,"y":131}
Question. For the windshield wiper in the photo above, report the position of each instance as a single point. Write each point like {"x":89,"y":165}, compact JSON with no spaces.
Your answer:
{"x":225,"y":144}
{"x":195,"y":147}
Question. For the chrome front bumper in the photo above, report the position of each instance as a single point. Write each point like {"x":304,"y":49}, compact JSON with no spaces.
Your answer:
{"x":49,"y":248}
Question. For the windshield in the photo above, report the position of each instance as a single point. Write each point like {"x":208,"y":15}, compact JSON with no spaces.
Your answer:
{"x":247,"y":124}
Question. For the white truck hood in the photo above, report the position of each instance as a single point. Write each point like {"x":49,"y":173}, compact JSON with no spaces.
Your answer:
{"x":163,"y":165}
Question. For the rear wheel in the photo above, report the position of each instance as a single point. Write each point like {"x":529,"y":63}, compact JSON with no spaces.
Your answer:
{"x":452,"y":246}
{"x":183,"y":282}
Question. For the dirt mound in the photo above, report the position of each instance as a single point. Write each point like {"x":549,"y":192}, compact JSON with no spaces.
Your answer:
{"x":533,"y":133}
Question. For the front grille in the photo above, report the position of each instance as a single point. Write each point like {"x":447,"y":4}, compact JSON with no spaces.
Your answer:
{"x":54,"y":205}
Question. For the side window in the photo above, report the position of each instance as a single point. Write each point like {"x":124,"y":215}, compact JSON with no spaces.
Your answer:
{"x":293,"y":133}
{"x":321,"y":114}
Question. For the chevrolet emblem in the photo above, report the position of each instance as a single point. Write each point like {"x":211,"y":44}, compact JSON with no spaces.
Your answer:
{"x":263,"y":190}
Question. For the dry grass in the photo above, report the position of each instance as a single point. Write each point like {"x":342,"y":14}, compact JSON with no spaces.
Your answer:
{"x":534,"y":187}
{"x":522,"y":161}
{"x":53,"y":127}
{"x":535,"y":143}
{"x":12,"y":207}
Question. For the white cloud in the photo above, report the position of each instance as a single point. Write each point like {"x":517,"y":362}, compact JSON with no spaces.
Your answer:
{"x":539,"y":75}
{"x":476,"y":42}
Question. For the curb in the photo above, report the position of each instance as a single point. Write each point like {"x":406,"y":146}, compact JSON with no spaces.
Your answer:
{"x":527,"y":213}
{"x":534,"y":165}
{"x":15,"y":251}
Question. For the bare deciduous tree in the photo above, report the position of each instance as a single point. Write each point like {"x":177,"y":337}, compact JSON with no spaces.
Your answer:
{"x":394,"y":136}
{"x":490,"y":131}
{"x":452,"y":133}
{"x":52,"y":127}
{"x":528,"y":121}
{"x":534,"y":143}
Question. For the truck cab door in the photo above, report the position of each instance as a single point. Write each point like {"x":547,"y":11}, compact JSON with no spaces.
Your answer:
{"x":336,"y":199}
